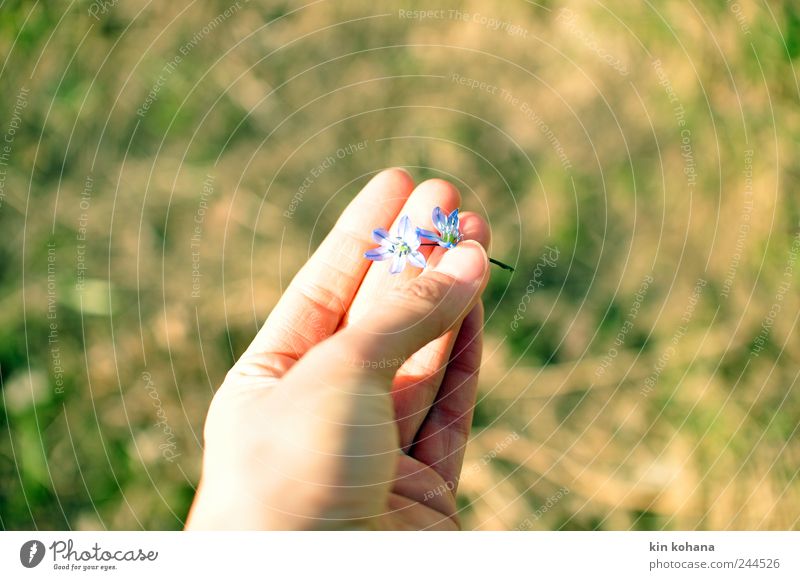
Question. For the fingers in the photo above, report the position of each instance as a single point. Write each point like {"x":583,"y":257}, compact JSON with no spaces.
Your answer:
{"x":443,"y":437}
{"x":406,"y":319}
{"x":418,"y":379}
{"x":314,"y":303}
{"x":419,"y":207}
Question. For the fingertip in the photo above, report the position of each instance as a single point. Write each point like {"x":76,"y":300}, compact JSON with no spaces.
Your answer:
{"x":467,"y":262}
{"x":396,"y":181}
{"x":474,"y":227}
{"x":378,"y":202}
{"x":401,"y":170}
{"x":396,"y":177}
{"x":440,"y":193}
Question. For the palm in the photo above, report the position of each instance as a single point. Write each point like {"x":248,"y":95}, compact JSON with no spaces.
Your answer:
{"x":424,"y":426}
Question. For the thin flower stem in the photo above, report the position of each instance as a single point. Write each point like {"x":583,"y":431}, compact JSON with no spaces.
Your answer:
{"x":503,"y":265}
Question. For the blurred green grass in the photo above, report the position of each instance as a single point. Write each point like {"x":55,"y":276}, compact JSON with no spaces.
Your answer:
{"x":271,"y":91}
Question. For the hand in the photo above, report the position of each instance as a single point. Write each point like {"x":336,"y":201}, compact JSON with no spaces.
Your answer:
{"x":353,"y":405}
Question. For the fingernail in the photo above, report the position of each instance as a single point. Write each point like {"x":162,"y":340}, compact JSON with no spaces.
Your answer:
{"x":466,"y":262}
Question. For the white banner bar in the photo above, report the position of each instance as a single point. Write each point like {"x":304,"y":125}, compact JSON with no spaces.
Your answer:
{"x":390,"y":555}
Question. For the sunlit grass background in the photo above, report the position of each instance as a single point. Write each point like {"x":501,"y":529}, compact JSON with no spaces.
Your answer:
{"x":611,"y":402}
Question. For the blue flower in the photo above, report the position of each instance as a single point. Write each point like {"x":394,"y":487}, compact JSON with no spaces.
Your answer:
{"x":449,"y":234}
{"x":401,"y":245}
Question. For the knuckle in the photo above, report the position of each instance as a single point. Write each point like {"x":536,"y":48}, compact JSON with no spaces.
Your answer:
{"x":430,"y":289}
{"x":424,"y":297}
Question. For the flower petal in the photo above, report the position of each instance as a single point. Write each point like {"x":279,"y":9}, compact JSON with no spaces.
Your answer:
{"x":428,"y":235}
{"x":377,"y":254}
{"x":439,"y":219}
{"x":452,"y":219}
{"x":398,"y":264}
{"x":405,"y":229}
{"x":381,"y":236}
{"x":417,"y":259}
{"x":409,"y":233}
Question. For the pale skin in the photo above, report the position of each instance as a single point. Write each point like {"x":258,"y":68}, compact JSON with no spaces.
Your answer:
{"x":352,"y":407}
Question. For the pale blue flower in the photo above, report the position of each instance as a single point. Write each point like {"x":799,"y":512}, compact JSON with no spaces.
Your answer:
{"x":402,"y":245}
{"x":448,"y":226}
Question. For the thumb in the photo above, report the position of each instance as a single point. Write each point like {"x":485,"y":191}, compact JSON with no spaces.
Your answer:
{"x":413,"y":315}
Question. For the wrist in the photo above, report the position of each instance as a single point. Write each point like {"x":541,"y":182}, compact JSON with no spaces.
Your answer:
{"x":212,"y":510}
